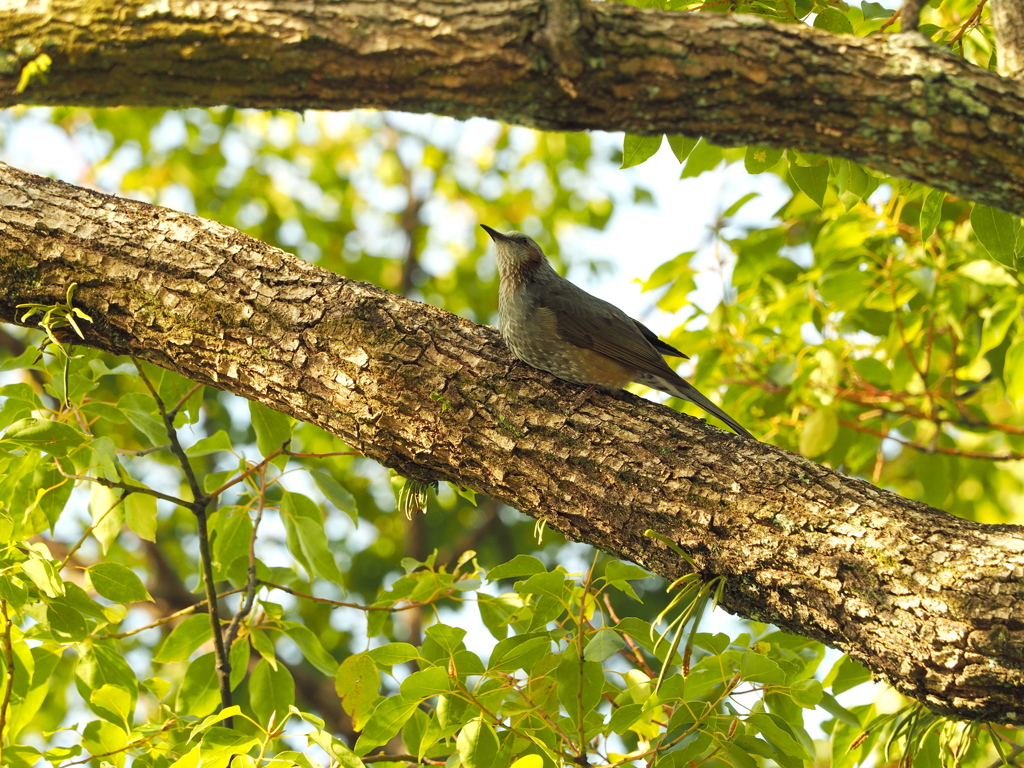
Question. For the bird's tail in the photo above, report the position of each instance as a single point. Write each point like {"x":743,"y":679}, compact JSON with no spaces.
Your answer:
{"x":683,"y":389}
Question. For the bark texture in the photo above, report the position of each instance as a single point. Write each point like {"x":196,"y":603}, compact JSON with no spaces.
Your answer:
{"x":1008,"y":20}
{"x":933,"y":603}
{"x":896,"y":103}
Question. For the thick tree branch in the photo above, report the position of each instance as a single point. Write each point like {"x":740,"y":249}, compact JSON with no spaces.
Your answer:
{"x":1008,"y":20}
{"x":893,"y":102}
{"x":932,"y":602}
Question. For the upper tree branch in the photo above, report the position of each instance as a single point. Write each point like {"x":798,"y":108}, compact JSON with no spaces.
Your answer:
{"x":932,"y":602}
{"x":893,"y":102}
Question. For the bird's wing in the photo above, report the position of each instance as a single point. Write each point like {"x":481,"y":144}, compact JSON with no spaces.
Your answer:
{"x":662,"y":347}
{"x":591,"y":323}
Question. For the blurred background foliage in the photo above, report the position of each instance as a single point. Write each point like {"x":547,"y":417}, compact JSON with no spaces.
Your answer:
{"x":872,"y":324}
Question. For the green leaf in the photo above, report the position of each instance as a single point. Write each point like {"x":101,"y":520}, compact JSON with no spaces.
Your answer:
{"x":311,"y":647}
{"x":114,"y":698}
{"x":44,"y":575}
{"x":603,"y":645}
{"x":52,"y":437}
{"x":838,"y":711}
{"x":997,"y":231}
{"x":703,"y":157}
{"x":520,"y":652}
{"x":1013,"y":371}
{"x":184,"y":640}
{"x":65,"y":623}
{"x":819,"y":433}
{"x":681,"y":146}
{"x":52,"y":489}
{"x":760,"y":669}
{"x":774,"y":730}
{"x":273,"y":429}
{"x":636,"y":149}
{"x":140,"y":515}
{"x":107,"y":515}
{"x":336,"y":493}
{"x":873,"y":371}
{"x":140,"y":408}
{"x":520,"y":565}
{"x":761,"y":159}
{"x":306,"y":539}
{"x":931,"y":212}
{"x":393,"y":653}
{"x":336,"y":749}
{"x":806,"y":693}
{"x":199,"y":694}
{"x":118,"y":583}
{"x":386,"y":721}
{"x":101,"y":738}
{"x":812,"y":180}
{"x":215,"y":443}
{"x":833,"y":21}
{"x":358,"y":685}
{"x":219,"y":744}
{"x":426,"y":683}
{"x":100,"y":664}
{"x":846,"y":674}
{"x":271,"y":692}
{"x":579,"y":684}
{"x":738,"y":757}
{"x":477,"y":744}
{"x":873,"y":10}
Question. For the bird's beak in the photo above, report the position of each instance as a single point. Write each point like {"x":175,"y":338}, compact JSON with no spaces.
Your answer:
{"x":495,"y":234}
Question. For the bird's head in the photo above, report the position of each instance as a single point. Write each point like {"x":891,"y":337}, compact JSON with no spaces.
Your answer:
{"x":516,"y":253}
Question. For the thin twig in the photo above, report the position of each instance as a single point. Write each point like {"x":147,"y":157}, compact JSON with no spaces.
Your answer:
{"x":250,"y":584}
{"x":200,"y":508}
{"x":933,"y":448}
{"x":165,"y":619}
{"x":339,"y":604}
{"x":9,"y":687}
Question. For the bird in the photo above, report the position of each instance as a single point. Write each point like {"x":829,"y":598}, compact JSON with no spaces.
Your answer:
{"x":552,"y":324}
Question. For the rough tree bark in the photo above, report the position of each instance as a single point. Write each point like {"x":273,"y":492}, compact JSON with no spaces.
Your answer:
{"x":895,"y":103}
{"x":933,"y":603}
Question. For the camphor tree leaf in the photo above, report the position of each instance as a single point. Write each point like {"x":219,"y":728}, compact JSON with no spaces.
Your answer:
{"x":357,"y":683}
{"x":118,"y":583}
{"x":184,"y":640}
{"x":53,"y":437}
{"x":271,"y":692}
{"x":477,"y":744}
{"x":997,"y":231}
{"x":636,"y":149}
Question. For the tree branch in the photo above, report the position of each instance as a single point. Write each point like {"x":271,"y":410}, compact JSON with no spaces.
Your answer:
{"x":803,"y":547}
{"x":895,"y":103}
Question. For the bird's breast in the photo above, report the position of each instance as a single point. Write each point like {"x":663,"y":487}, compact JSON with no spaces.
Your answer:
{"x":532,"y":335}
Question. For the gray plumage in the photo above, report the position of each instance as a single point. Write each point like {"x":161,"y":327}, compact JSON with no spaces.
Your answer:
{"x":553,"y":325}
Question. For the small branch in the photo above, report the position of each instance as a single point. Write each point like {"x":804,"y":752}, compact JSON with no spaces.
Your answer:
{"x":251,"y":581}
{"x":172,"y":433}
{"x":407,"y":607}
{"x":223,"y":663}
{"x":9,"y":687}
{"x":91,"y":528}
{"x":165,"y":619}
{"x":181,"y":403}
{"x":968,"y":25}
{"x":911,"y":14}
{"x":933,"y":448}
{"x":200,"y":508}
{"x":127,"y":487}
{"x":246,"y":474}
